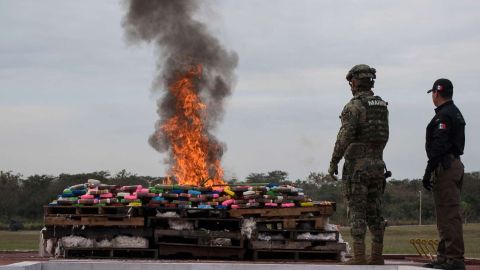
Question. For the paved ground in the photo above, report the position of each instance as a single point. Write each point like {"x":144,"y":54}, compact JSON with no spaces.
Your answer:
{"x":14,"y":257}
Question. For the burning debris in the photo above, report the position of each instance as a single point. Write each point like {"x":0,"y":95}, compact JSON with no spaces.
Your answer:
{"x":195,"y":73}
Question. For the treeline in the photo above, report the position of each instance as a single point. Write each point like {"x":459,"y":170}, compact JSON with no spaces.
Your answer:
{"x":22,"y":198}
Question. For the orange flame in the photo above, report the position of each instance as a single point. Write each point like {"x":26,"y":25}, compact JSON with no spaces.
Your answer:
{"x":188,"y":136}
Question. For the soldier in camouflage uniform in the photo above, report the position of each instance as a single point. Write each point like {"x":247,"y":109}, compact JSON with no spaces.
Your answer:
{"x":361,"y":140}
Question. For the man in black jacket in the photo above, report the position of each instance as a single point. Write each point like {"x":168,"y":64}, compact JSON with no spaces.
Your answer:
{"x":445,"y":142}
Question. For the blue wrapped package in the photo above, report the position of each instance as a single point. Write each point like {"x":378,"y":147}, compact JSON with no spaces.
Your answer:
{"x":79,"y":192}
{"x":194,"y":192}
{"x":158,"y":199}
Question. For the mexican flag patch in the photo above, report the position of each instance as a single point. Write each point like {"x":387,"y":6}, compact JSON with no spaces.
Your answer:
{"x":442,"y":126}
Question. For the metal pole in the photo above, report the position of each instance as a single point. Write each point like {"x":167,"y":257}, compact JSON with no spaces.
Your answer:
{"x":420,"y":212}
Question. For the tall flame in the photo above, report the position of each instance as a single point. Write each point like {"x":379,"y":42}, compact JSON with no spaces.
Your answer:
{"x":188,"y":136}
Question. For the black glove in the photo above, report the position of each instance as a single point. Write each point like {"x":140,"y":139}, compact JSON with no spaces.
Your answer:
{"x":427,"y":182}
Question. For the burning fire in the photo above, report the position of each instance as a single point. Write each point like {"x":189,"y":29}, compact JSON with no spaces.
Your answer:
{"x":188,"y":136}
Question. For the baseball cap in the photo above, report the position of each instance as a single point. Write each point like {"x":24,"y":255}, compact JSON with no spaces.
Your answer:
{"x":442,"y":85}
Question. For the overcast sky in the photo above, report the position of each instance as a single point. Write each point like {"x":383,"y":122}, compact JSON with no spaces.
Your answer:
{"x":74,"y":97}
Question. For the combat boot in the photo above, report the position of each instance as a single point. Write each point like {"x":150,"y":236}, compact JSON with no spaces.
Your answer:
{"x":376,"y":258}
{"x":358,"y":254}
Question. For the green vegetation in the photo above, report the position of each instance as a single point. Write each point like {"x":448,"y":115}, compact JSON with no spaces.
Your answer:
{"x":21,"y":240}
{"x":397,"y":238}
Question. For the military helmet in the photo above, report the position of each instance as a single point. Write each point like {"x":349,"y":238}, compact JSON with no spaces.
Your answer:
{"x":360,"y":72}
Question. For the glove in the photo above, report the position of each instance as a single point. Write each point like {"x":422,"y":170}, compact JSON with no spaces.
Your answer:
{"x":333,"y":170}
{"x":427,"y":183}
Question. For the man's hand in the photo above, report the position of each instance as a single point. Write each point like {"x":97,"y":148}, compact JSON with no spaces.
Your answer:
{"x":333,"y":170}
{"x":427,"y":182}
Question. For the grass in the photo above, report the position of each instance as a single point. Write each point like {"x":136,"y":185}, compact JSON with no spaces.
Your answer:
{"x":397,"y":238}
{"x":21,"y":240}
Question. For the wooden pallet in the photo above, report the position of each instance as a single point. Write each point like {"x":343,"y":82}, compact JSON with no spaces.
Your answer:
{"x":184,"y":251}
{"x":93,"y":210}
{"x":93,"y":221}
{"x":197,"y":238}
{"x":320,"y":210}
{"x":106,"y":253}
{"x":317,"y":223}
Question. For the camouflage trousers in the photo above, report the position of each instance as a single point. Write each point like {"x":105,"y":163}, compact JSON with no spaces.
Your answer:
{"x":364,"y":185}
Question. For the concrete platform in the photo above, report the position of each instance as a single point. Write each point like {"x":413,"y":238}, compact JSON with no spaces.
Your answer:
{"x":168,"y":265}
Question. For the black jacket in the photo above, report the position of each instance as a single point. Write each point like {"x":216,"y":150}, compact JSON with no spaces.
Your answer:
{"x":445,"y":135}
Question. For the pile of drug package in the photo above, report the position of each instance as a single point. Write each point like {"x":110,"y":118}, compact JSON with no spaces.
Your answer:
{"x":94,"y":193}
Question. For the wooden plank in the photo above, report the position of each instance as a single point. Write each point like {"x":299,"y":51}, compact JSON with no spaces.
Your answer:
{"x":200,"y":252}
{"x":59,"y":210}
{"x":96,"y":231}
{"x":120,"y":210}
{"x":94,"y":221}
{"x":199,"y":238}
{"x":289,"y":223}
{"x":258,"y":244}
{"x":131,"y":253}
{"x":298,"y":245}
{"x":296,"y":255}
{"x":326,"y":210}
{"x":199,"y":234}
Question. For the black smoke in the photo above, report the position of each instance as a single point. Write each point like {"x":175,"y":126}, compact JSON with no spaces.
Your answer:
{"x":182,"y":42}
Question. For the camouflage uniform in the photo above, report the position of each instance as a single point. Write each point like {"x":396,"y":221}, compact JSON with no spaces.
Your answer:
{"x":361,"y":140}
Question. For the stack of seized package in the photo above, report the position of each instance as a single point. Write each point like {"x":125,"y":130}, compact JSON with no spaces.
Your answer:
{"x":94,"y":193}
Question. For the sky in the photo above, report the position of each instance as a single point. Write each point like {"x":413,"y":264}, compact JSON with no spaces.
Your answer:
{"x":76,"y":97}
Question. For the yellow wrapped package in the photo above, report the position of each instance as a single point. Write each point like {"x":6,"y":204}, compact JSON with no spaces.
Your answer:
{"x":306,"y":204}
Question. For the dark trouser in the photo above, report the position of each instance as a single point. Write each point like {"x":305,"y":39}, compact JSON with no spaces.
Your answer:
{"x":446,"y":194}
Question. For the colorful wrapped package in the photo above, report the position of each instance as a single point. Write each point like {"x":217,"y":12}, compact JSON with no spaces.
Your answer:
{"x":178,"y":196}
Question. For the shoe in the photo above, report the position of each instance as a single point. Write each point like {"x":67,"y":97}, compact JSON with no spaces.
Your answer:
{"x":376,"y":257}
{"x":452,"y":265}
{"x":434,"y":263}
{"x":358,"y":254}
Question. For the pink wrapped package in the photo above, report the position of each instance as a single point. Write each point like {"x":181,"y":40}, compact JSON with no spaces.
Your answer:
{"x":86,"y":201}
{"x":131,"y":197}
{"x":215,"y":195}
{"x":235,"y":206}
{"x":227,"y":202}
{"x":219,"y":189}
{"x":271,"y":204}
{"x":106,"y":195}
{"x":87,"y":196}
{"x":288,"y":204}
